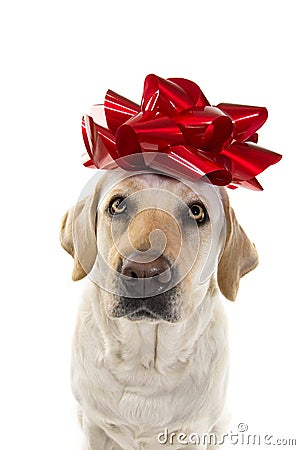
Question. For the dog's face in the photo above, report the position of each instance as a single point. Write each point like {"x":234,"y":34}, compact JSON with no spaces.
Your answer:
{"x":148,"y":241}
{"x":154,"y":232}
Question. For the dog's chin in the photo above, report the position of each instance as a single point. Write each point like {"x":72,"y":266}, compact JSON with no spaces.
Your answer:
{"x":143,"y":314}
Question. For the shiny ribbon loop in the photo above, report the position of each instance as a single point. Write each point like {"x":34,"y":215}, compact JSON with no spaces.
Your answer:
{"x":176,"y":131}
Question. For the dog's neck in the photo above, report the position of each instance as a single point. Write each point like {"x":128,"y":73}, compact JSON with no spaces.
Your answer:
{"x":131,"y":348}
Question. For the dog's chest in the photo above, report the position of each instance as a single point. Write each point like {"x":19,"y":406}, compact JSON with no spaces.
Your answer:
{"x":153,"y":400}
{"x":152,"y":405}
{"x":135,"y":389}
{"x":134,"y":392}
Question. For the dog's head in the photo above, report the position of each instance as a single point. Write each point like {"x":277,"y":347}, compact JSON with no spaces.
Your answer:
{"x":150,"y":243}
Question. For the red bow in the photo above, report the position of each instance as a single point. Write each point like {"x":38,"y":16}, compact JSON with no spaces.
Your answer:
{"x":176,"y":131}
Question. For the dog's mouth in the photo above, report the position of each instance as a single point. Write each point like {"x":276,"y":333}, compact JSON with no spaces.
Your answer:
{"x":159,"y":307}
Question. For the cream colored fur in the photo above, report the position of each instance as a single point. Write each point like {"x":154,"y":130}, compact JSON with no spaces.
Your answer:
{"x":134,"y":379}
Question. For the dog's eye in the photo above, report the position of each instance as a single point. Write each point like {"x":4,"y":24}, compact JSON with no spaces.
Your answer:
{"x":198,"y":212}
{"x":117,"y":206}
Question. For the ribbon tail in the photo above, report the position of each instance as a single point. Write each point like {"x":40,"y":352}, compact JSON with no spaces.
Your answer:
{"x":87,"y":161}
{"x":249,"y":160}
{"x":252,"y":184}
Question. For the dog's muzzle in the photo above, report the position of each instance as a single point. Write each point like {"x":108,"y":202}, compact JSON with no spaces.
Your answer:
{"x":148,"y":286}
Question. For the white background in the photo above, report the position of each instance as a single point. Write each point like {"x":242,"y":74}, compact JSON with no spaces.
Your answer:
{"x":58,"y":58}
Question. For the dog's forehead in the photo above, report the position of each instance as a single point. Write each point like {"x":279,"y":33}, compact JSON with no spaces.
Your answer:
{"x":144,"y":182}
{"x":151,"y":181}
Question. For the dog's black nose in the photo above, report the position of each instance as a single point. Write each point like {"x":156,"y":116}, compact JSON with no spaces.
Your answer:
{"x":146,"y":276}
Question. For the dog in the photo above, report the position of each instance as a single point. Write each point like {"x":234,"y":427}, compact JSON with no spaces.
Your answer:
{"x":150,"y":349}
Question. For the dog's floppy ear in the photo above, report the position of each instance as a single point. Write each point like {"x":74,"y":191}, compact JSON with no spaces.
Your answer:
{"x":78,"y":234}
{"x":239,"y":255}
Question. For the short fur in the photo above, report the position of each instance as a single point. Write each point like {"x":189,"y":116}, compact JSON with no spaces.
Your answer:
{"x":134,"y":379}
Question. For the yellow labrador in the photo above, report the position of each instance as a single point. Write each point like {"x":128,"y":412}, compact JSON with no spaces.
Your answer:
{"x":150,"y":348}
